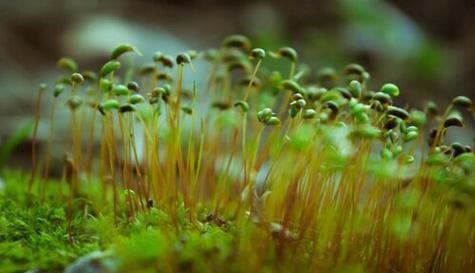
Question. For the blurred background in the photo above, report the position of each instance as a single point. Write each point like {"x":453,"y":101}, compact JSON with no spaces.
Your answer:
{"x":425,"y":46}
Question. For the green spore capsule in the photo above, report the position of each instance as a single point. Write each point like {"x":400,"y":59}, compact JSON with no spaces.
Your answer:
{"x":254,"y":81}
{"x":182,"y":59}
{"x":157,"y":56}
{"x":74,"y":103}
{"x":398,"y":112}
{"x":166,"y":61}
{"x":264,"y":114}
{"x":287,"y":52}
{"x":258,"y":54}
{"x":187,"y":110}
{"x":462,"y":101}
{"x":67,"y":64}
{"x":314,"y":93}
{"x":164,"y":76}
{"x":221,"y":105}
{"x":243,"y":105}
{"x":90,"y":76}
{"x":136,"y":99}
{"x":309,"y":114}
{"x":122,"y":49}
{"x":390,"y":89}
{"x":410,"y":136}
{"x":291,"y":85}
{"x":418,"y":117}
{"x":431,"y":108}
{"x":110,"y":104}
{"x":454,"y":119}
{"x":120,"y":90}
{"x":353,"y":69}
{"x":272,"y":121}
{"x":237,"y":41}
{"x":133,"y":86}
{"x":126,"y":108}
{"x":383,"y":98}
{"x":147,"y":69}
{"x":365,"y":132}
{"x":58,"y":89}
{"x":458,"y":149}
{"x":77,"y":78}
{"x":331,"y":105}
{"x":105,"y":85}
{"x":344,"y":92}
{"x":109,"y":67}
{"x":355,"y":88}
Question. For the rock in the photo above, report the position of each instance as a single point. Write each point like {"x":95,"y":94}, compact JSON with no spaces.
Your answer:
{"x":95,"y":262}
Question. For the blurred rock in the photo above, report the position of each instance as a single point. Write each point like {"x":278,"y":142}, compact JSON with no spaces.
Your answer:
{"x":95,"y":262}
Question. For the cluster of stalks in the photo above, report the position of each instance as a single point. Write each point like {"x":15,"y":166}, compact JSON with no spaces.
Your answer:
{"x":324,"y":164}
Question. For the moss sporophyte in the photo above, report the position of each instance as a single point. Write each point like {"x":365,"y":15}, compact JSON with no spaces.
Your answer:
{"x":255,"y":170}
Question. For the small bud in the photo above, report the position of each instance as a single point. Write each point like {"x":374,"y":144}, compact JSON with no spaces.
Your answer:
{"x":109,"y":67}
{"x":390,"y":89}
{"x":77,"y":78}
